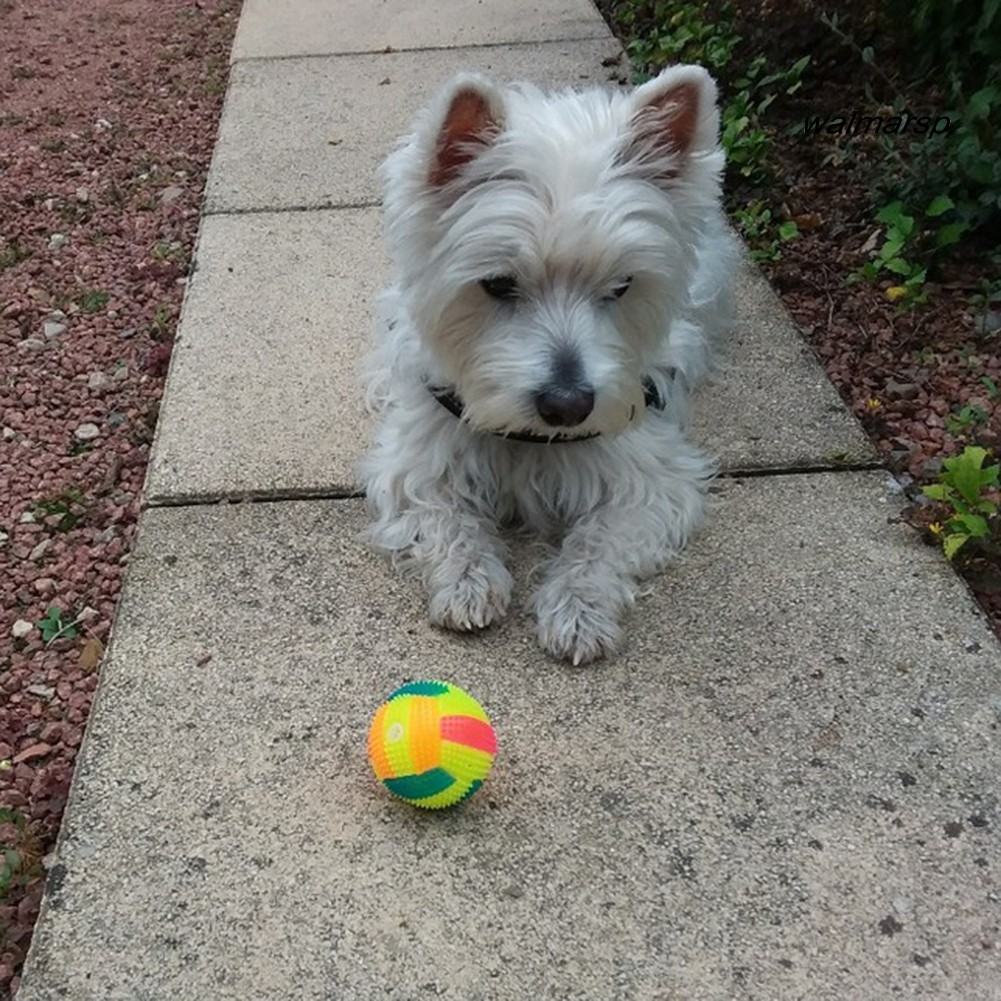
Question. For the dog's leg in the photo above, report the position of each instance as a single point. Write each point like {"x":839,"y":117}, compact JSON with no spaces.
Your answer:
{"x":458,"y":556}
{"x":462,"y":562}
{"x":591,"y":582}
{"x":428,"y":527}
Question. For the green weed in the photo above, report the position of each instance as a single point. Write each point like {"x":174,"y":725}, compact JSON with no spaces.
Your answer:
{"x":964,"y":489}
{"x":20,"y":851}
{"x":57,"y":625}
{"x":92,"y":301}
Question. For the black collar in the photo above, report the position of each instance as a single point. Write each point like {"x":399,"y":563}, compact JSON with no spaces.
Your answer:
{"x":450,"y":400}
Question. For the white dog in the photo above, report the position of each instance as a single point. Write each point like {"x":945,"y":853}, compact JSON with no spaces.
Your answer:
{"x":562,"y":274}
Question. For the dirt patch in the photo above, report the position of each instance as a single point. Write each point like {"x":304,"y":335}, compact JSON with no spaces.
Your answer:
{"x":108,"y":114}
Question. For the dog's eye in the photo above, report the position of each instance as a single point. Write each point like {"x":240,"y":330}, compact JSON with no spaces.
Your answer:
{"x":620,"y":290}
{"x":504,"y":287}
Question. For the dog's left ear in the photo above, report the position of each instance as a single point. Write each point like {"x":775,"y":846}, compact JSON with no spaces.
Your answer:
{"x":675,"y":113}
{"x":470,"y":119}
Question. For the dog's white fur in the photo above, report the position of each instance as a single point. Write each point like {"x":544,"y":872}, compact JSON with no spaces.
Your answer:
{"x":570,"y":195}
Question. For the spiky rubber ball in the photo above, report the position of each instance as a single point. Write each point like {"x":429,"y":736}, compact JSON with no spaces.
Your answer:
{"x":431,"y":744}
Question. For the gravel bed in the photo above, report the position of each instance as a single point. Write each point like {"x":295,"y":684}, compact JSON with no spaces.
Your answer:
{"x":108,"y":116}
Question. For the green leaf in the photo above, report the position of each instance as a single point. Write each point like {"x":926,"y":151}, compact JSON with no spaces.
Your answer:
{"x":788,"y":230}
{"x":951,"y":544}
{"x":939,"y":205}
{"x":898,"y":266}
{"x":891,"y":248}
{"x":937,"y":491}
{"x":890,"y":213}
{"x":979,"y":104}
{"x":966,"y":471}
{"x":976,"y":527}
{"x":950,"y":233}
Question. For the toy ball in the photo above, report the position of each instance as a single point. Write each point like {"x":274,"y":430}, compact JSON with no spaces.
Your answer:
{"x":431,"y":744}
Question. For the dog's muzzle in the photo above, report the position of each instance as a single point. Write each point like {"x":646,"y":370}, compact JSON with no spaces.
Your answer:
{"x":450,"y":400}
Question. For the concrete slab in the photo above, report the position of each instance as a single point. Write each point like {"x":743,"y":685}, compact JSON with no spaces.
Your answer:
{"x":774,"y":407}
{"x":319,"y":27}
{"x":263,"y":393}
{"x":309,"y":133}
{"x":785,"y":787}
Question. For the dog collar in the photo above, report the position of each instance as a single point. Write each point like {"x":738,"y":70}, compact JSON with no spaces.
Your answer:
{"x":451,"y":401}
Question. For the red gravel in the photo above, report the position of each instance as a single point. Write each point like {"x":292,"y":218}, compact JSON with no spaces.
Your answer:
{"x":108,"y":113}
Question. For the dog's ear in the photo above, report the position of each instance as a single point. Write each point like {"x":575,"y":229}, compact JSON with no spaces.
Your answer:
{"x":675,"y":114}
{"x":471,"y":119}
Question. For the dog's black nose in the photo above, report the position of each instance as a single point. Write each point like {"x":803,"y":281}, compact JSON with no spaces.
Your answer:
{"x":564,"y":406}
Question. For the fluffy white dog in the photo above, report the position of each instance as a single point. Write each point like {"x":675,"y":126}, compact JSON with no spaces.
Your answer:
{"x":562,"y":274}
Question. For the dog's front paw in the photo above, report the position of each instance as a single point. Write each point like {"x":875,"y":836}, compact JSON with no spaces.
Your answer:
{"x":469,"y":596}
{"x":572,"y":627}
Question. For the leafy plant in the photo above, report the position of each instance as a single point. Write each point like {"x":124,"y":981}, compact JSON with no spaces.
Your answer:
{"x":762,"y":234}
{"x":92,"y":301}
{"x":688,"y":33}
{"x":964,"y":487}
{"x":67,"y":504}
{"x":56,"y":625}
{"x":902,"y":248}
{"x":964,"y":419}
{"x":957,"y":46}
{"x":955,"y":38}
{"x":159,"y":328}
{"x":744,"y":136}
{"x":20,"y":858}
{"x":11,"y":253}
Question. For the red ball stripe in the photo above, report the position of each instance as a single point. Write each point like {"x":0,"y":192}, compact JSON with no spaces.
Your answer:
{"x":470,"y":732}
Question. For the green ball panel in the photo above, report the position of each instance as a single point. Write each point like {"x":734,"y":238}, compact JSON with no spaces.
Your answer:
{"x":429,"y":783}
{"x":421,"y":688}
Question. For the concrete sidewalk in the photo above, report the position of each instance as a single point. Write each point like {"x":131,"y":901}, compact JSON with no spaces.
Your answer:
{"x":786,"y":786}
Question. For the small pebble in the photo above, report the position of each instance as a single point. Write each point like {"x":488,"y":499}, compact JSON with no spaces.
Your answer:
{"x":31,"y":344}
{"x":83,"y":195}
{"x":98,"y":382}
{"x":27,"y":518}
{"x":86,"y":432}
{"x":170,"y":194}
{"x":52,"y":329}
{"x":42,"y":691}
{"x":39,"y":551}
{"x":57,"y":240}
{"x":21,"y":628}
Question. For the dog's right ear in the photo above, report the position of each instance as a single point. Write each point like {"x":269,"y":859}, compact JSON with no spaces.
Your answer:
{"x":471,"y":119}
